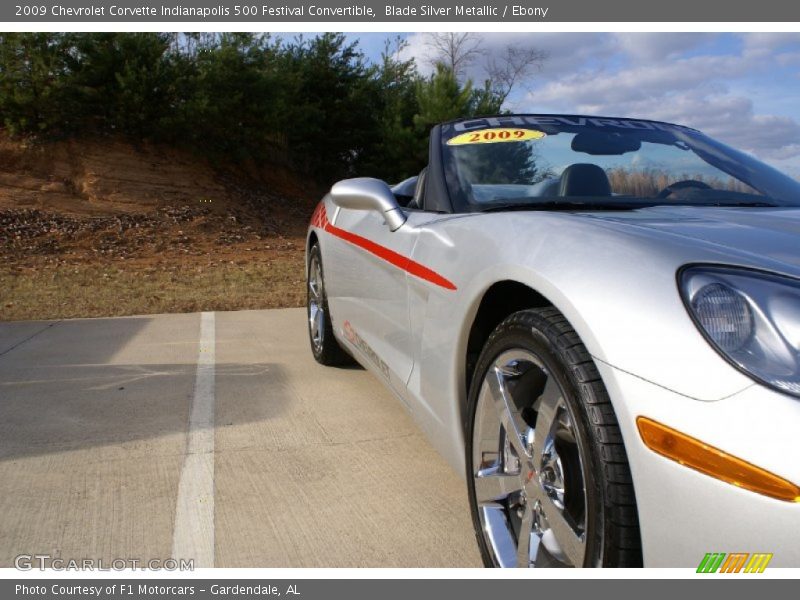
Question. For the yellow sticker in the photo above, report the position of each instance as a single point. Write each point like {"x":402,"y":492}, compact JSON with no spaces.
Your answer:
{"x":497,"y":134}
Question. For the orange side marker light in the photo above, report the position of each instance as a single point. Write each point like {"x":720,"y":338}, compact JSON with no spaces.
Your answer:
{"x":713,"y":462}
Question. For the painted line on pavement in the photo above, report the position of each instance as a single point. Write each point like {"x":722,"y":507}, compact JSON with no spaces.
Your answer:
{"x":193,"y":533}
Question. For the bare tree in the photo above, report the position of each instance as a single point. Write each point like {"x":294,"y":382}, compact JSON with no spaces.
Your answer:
{"x":504,"y":69}
{"x":515,"y":65}
{"x":456,"y":51}
{"x":194,"y":42}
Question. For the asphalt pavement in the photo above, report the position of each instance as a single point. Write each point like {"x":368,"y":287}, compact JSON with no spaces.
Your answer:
{"x":215,"y":437}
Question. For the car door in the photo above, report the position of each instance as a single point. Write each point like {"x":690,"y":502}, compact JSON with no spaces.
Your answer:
{"x":367,"y":290}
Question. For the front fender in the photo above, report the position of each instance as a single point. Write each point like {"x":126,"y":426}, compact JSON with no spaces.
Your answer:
{"x":617,"y":289}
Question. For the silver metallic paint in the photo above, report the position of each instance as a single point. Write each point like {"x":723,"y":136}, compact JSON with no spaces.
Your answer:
{"x":613,"y":275}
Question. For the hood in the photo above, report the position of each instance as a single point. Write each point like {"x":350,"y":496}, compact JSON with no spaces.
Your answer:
{"x":761,"y":233}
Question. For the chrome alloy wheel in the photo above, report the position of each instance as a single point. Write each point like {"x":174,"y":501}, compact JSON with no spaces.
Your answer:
{"x":316,"y":304}
{"x":529,"y":475}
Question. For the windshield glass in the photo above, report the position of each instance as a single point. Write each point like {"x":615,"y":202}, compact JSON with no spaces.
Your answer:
{"x":530,"y":161}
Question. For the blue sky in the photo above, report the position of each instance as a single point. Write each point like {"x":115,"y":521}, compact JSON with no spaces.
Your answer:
{"x":743,"y":89}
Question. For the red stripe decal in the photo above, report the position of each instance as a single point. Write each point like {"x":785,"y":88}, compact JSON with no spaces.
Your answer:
{"x":320,"y":219}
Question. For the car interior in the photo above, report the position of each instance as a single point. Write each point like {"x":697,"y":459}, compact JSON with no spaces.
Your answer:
{"x":580,"y":179}
{"x":409,"y":193}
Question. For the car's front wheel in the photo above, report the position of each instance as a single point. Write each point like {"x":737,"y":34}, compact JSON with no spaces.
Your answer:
{"x":547,"y":472}
{"x":324,"y":346}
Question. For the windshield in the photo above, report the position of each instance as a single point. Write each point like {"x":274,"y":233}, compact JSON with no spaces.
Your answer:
{"x":530,"y":161}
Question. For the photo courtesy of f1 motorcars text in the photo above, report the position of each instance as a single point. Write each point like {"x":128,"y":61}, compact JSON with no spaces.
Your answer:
{"x":387,"y":298}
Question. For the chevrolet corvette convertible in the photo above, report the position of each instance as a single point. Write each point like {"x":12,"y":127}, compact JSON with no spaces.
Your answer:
{"x":596,"y":320}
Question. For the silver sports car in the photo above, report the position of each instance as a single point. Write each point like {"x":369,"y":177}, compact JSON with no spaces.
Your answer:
{"x":597,"y":321}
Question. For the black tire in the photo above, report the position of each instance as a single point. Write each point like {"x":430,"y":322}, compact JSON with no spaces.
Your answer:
{"x":610,"y":522}
{"x":326,"y":349}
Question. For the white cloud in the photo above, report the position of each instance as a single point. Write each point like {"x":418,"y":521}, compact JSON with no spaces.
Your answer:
{"x":690,"y":90}
{"x":643,"y":47}
{"x":679,"y":77}
{"x":729,"y":118}
{"x":606,"y":87}
{"x":766,"y":44}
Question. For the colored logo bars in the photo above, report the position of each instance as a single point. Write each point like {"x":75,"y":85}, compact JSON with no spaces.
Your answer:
{"x":737,"y":562}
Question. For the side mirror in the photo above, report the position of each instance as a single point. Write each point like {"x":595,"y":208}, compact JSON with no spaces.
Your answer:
{"x":366,"y":193}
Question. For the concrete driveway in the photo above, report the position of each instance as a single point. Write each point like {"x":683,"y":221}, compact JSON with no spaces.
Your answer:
{"x":216,"y":437}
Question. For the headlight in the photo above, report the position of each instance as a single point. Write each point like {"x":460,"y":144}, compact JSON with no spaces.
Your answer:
{"x":751,"y":318}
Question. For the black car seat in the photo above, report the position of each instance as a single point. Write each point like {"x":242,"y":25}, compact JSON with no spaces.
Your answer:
{"x":584,"y":179}
{"x":419,"y":191}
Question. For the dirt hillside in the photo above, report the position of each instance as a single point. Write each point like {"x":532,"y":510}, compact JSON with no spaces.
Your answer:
{"x":103,"y":227}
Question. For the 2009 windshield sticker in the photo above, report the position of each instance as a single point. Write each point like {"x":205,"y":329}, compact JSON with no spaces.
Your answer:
{"x":495,"y":135}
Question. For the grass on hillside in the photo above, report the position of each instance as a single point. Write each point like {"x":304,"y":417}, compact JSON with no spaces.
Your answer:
{"x":98,"y":290}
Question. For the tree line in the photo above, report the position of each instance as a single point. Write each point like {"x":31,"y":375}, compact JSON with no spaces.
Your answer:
{"x":316,"y":104}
